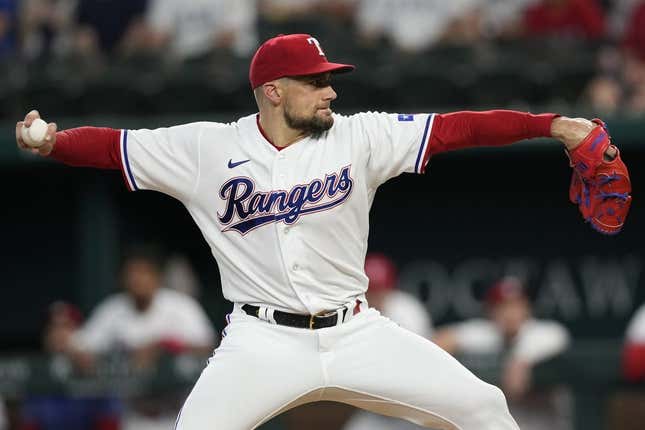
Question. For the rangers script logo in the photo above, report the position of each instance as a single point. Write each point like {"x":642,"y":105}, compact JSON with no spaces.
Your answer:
{"x":247,"y":209}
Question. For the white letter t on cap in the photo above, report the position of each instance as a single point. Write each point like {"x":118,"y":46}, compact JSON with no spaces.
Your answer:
{"x":313,"y":41}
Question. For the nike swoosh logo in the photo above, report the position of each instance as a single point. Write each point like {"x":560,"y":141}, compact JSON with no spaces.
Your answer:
{"x":231,"y":164}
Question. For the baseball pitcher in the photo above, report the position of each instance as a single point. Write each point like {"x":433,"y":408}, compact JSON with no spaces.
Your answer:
{"x":283,"y":197}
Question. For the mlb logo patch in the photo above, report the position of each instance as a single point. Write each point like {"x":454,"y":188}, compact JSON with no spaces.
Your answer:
{"x":406,"y":117}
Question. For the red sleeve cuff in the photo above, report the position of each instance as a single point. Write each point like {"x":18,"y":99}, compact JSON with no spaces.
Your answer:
{"x":540,"y":125}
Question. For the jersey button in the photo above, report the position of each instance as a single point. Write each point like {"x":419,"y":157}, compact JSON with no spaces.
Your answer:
{"x":295,"y":267}
{"x":286,"y":230}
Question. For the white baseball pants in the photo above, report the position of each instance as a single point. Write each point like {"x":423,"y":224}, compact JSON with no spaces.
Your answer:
{"x":261,"y":370}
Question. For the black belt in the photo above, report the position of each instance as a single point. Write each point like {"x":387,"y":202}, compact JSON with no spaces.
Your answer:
{"x":312,"y":322}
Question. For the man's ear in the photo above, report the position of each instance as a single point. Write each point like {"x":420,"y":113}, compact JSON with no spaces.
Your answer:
{"x":273,"y":92}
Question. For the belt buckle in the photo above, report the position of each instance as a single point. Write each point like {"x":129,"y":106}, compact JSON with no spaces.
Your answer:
{"x":318,"y":314}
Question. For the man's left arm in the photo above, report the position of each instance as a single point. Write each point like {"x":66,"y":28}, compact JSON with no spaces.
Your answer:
{"x":467,"y":129}
{"x":600,"y":185}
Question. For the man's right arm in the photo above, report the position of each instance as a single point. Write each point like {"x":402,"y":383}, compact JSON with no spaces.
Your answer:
{"x":163,"y":159}
{"x":84,"y":146}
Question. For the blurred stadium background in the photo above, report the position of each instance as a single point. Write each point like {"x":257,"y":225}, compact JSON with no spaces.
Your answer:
{"x":476,"y":214}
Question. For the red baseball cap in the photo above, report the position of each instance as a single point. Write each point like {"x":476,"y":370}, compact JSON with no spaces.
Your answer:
{"x":381,"y":271}
{"x":67,"y":310}
{"x":291,"y":55}
{"x":507,"y":288}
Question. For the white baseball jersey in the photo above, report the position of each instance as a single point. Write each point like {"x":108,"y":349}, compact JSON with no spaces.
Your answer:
{"x":636,"y":327}
{"x":408,"y":312}
{"x":536,"y":341}
{"x":193,"y":26}
{"x":171,"y":315}
{"x":412,"y":25}
{"x":287,"y":227}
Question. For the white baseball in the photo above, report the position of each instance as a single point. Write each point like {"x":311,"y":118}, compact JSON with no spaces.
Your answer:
{"x":24,"y":133}
{"x":37,"y":132}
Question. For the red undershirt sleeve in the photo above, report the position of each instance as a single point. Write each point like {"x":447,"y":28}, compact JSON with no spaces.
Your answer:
{"x":88,"y":147}
{"x":468,"y":129}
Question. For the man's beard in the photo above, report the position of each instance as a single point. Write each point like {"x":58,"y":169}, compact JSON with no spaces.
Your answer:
{"x":313,"y":126}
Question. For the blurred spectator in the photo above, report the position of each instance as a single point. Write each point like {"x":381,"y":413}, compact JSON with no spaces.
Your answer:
{"x":582,"y":19}
{"x":330,"y":21}
{"x":283,"y":10}
{"x":179,"y":275}
{"x":105,"y":25}
{"x":510,"y":334}
{"x":384,"y":295}
{"x":605,"y":93}
{"x":64,"y":320}
{"x":620,"y":83}
{"x":146,"y":319}
{"x":8,"y":21}
{"x":502,"y":18}
{"x":634,"y":36}
{"x":54,"y":412}
{"x":634,"y":350}
{"x":402,"y":308}
{"x":46,"y":28}
{"x":193,"y":29}
{"x":634,"y":46}
{"x":411,"y":25}
{"x":144,"y":322}
{"x":619,"y":13}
